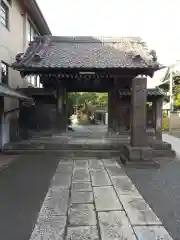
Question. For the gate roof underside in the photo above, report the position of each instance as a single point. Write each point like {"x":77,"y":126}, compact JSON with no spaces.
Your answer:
{"x":51,"y":54}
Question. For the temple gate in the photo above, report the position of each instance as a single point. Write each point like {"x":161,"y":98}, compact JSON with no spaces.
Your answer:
{"x":119,"y":66}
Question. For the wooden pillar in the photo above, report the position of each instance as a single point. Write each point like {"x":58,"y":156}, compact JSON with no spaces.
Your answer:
{"x":117,"y":111}
{"x":138,"y":117}
{"x":110,"y":112}
{"x":158,"y":127}
{"x":61,"y":114}
{"x":59,"y":108}
{"x":124,"y":115}
{"x":113,"y":105}
{"x":66,"y":108}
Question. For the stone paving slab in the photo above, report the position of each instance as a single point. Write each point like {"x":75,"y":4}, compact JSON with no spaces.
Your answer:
{"x":100,"y":178}
{"x":115,"y":171}
{"x":81,"y":186}
{"x":123,"y":185}
{"x":152,"y":232}
{"x":109,"y":162}
{"x":56,"y":203}
{"x":138,"y":211}
{"x":106,"y":199}
{"x":65,"y":168}
{"x":81,"y":175}
{"x":82,"y":233}
{"x":115,"y":226}
{"x":95,"y":164}
{"x":66,"y":161}
{"x":62,"y":180}
{"x":81,"y":197}
{"x":52,"y":228}
{"x":82,"y":215}
{"x":81,"y":163}
{"x":91,"y":195}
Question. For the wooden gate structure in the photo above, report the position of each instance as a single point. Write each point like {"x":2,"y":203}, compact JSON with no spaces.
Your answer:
{"x":119,"y":66}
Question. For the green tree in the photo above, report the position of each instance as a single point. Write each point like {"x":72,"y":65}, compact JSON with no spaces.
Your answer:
{"x":102,"y":99}
{"x":94,"y":98}
{"x":176,"y":85}
{"x":177,"y":96}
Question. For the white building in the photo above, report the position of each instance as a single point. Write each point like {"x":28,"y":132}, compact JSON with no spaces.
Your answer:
{"x":20,"y":22}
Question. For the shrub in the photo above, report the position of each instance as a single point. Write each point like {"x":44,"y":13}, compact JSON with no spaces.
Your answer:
{"x":165,"y":122}
{"x":83,"y":120}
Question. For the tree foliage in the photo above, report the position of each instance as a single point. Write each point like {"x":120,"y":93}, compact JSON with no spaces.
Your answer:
{"x":177,"y":96}
{"x":88,"y":97}
{"x":176,"y":86}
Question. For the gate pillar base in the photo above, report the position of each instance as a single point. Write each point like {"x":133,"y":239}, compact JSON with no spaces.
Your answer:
{"x":140,"y":157}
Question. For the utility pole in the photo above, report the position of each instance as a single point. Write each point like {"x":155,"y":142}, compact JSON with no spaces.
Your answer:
{"x":171,"y":97}
{"x":171,"y":102}
{"x":171,"y":90}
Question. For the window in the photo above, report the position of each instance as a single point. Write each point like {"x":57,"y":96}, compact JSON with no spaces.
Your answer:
{"x":34,"y":81}
{"x":31,"y":32}
{"x":38,"y":81}
{"x":4,"y":73}
{"x":4,"y":14}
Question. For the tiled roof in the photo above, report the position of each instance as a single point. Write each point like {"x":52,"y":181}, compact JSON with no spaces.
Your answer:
{"x":150,"y":92}
{"x":6,"y":91}
{"x":86,"y":52}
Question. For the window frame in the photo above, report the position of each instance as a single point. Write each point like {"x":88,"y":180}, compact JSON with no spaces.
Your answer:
{"x":4,"y":8}
{"x":7,"y":72}
{"x":32,"y":31}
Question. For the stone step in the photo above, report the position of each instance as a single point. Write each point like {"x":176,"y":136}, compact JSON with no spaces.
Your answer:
{"x":138,"y":164}
{"x":67,"y":153}
{"x":157,"y":156}
{"x":164,"y":153}
{"x":159,"y":145}
{"x":53,"y":146}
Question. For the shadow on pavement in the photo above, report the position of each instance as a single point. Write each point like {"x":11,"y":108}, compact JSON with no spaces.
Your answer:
{"x":23,"y":187}
{"x":161,"y":190}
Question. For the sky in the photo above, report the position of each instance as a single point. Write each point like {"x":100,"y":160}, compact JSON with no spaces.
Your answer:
{"x":155,"y":21}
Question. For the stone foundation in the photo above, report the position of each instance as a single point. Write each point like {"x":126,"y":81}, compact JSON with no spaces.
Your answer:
{"x":147,"y":156}
{"x":138,"y":153}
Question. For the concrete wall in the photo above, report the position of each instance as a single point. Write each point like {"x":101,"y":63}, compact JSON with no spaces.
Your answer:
{"x":175,"y":121}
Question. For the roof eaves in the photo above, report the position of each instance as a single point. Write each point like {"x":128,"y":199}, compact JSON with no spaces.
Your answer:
{"x":35,"y":13}
{"x":6,"y":91}
{"x":42,"y":17}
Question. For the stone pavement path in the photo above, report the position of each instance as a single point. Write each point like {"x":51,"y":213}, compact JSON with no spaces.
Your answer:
{"x":95,"y":200}
{"x":175,"y":142}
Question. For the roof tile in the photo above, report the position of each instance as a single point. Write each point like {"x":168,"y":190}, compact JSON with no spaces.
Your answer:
{"x":150,"y":92}
{"x":86,"y":52}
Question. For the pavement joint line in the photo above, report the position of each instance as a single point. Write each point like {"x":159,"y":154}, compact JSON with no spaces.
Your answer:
{"x":96,"y":212}
{"x":124,"y":210}
{"x":68,"y":206}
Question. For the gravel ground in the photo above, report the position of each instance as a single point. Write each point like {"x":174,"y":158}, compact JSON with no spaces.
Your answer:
{"x":161,"y":189}
{"x":23,"y":186}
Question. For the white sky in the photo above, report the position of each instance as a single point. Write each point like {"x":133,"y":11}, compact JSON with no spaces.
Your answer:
{"x":156,"y":21}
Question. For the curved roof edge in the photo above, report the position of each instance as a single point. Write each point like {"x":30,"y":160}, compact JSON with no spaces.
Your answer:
{"x":33,"y":9}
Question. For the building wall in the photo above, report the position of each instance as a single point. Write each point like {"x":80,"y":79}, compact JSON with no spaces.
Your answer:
{"x":13,"y":40}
